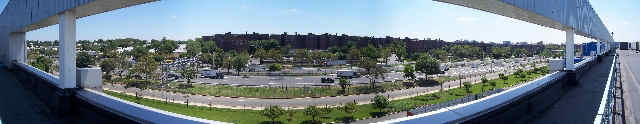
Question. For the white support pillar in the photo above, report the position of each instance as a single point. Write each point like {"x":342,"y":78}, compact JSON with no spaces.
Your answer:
{"x":67,"y":49}
{"x":569,"y":52}
{"x":17,"y":47}
{"x":597,"y":47}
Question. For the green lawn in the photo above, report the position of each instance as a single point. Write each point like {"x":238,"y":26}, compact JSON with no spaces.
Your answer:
{"x":279,"y":92}
{"x":253,"y":116}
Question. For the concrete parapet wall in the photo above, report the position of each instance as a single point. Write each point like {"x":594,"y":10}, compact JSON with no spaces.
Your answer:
{"x":90,"y":106}
{"x":90,"y":78}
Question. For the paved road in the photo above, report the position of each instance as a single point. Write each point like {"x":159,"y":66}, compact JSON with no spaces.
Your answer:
{"x":630,"y":69}
{"x":579,"y":104}
{"x":289,"y":81}
{"x":252,"y":103}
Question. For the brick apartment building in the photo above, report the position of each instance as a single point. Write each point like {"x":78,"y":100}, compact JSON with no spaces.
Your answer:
{"x":229,"y":41}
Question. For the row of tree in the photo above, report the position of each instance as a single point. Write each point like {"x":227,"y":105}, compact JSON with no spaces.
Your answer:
{"x":274,"y":112}
{"x":458,"y":52}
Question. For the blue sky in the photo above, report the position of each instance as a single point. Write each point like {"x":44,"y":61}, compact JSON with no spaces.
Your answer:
{"x":187,"y":19}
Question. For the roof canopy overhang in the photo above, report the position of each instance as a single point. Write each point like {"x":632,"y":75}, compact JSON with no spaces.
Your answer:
{"x":557,"y":14}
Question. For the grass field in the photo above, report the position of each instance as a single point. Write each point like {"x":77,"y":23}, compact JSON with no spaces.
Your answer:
{"x":336,"y":115}
{"x":282,"y":92}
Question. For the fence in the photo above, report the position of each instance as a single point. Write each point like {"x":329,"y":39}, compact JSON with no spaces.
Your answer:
{"x":433,"y":107}
{"x":605,"y":110}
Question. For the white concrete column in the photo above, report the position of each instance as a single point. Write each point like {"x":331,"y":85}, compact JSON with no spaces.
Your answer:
{"x":597,"y":47}
{"x":67,"y":49}
{"x":17,"y":41}
{"x":569,"y":52}
{"x":17,"y":47}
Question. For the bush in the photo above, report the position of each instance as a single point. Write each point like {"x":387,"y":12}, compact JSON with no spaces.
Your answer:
{"x":312,"y":111}
{"x":275,"y":67}
{"x":273,"y":112}
{"x":467,"y":87}
{"x":381,"y":102}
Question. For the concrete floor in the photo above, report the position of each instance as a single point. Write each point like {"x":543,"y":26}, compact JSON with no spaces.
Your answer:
{"x":19,"y":106}
{"x":579,"y":104}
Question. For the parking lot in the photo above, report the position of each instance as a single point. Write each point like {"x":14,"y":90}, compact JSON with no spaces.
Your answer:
{"x":464,"y":71}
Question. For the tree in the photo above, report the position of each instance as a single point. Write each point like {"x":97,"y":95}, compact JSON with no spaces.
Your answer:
{"x":275,"y":67}
{"x":372,"y":70}
{"x":386,"y":53}
{"x":188,"y":72}
{"x":208,"y":46}
{"x":166,"y":46}
{"x":139,"y":52}
{"x":484,"y":82}
{"x":301,"y":55}
{"x":312,"y":111}
{"x":467,"y":87}
{"x":84,"y":60}
{"x":546,"y":53}
{"x":227,"y":60}
{"x":520,"y":52}
{"x":275,"y":55}
{"x":273,"y":112}
{"x":261,"y":54}
{"x":240,"y":62}
{"x":344,"y":83}
{"x":400,"y":49}
{"x":440,"y":55}
{"x":206,"y":58}
{"x":354,"y":53}
{"x":409,"y":72}
{"x":380,"y":102}
{"x":371,"y":52}
{"x":501,"y":53}
{"x":43,"y":63}
{"x":193,"y":48}
{"x":145,"y":66}
{"x":107,"y":66}
{"x":350,"y":108}
{"x":503,"y":77}
{"x":429,"y":66}
{"x":493,"y":83}
{"x":122,"y":63}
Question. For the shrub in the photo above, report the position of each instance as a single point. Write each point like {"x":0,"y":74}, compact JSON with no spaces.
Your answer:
{"x":380,"y":102}
{"x":273,"y":112}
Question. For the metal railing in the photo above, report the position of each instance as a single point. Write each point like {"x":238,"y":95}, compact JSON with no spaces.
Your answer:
{"x":605,"y":110}
{"x":469,"y":110}
{"x":465,"y":99}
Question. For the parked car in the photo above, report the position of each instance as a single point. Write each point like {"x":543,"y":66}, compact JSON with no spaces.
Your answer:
{"x":213,"y":74}
{"x":327,"y":80}
{"x":347,"y":73}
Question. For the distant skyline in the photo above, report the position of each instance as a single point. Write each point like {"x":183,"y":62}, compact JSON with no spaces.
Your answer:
{"x":181,"y":20}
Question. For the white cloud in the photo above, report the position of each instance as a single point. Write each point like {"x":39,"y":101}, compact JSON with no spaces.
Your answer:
{"x":174,"y":17}
{"x":466,"y":19}
{"x":293,"y":11}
